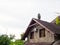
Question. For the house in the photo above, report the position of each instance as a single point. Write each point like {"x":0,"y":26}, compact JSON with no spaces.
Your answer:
{"x":41,"y":32}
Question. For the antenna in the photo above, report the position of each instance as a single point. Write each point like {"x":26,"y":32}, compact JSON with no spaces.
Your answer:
{"x":39,"y":16}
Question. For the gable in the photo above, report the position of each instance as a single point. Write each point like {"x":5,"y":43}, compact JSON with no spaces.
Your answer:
{"x":32,"y":23}
{"x":29,"y":28}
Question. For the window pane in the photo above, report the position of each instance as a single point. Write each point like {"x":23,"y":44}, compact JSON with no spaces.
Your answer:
{"x":39,"y":33}
{"x":31,"y":35}
{"x":42,"y":33}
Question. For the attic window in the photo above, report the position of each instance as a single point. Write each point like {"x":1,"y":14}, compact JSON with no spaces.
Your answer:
{"x":31,"y":35}
{"x":42,"y":33}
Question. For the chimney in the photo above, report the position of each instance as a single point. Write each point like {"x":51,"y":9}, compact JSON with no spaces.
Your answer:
{"x":39,"y":17}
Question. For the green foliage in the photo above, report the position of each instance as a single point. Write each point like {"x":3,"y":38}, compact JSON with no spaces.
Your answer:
{"x":19,"y":42}
{"x":12,"y":43}
{"x":5,"y":40}
{"x":58,"y":21}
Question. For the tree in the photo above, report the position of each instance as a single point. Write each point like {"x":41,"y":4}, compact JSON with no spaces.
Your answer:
{"x":17,"y":41}
{"x":5,"y":39}
{"x":22,"y":35}
{"x":58,"y":21}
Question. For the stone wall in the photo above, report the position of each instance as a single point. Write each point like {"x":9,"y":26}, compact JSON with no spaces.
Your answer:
{"x":48,"y":36}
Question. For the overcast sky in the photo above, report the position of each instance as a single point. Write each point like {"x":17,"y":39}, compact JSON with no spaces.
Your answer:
{"x":15,"y":15}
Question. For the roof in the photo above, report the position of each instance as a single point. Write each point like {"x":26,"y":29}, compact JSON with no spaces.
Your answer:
{"x":53,"y":27}
{"x":50,"y":26}
{"x":56,"y":42}
{"x":42,"y":43}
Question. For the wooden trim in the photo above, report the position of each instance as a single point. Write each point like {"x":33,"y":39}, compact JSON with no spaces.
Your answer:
{"x":32,"y":25}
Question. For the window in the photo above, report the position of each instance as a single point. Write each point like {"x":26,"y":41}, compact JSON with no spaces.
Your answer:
{"x":42,"y":33}
{"x":31,"y":35}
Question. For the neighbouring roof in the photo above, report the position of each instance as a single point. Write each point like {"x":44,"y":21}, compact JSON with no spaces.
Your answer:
{"x":50,"y":26}
{"x":55,"y":19}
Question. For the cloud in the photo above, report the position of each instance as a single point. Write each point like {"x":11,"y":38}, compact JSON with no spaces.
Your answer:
{"x":15,"y":15}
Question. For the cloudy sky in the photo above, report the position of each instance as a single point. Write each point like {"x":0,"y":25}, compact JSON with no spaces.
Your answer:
{"x":15,"y":15}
